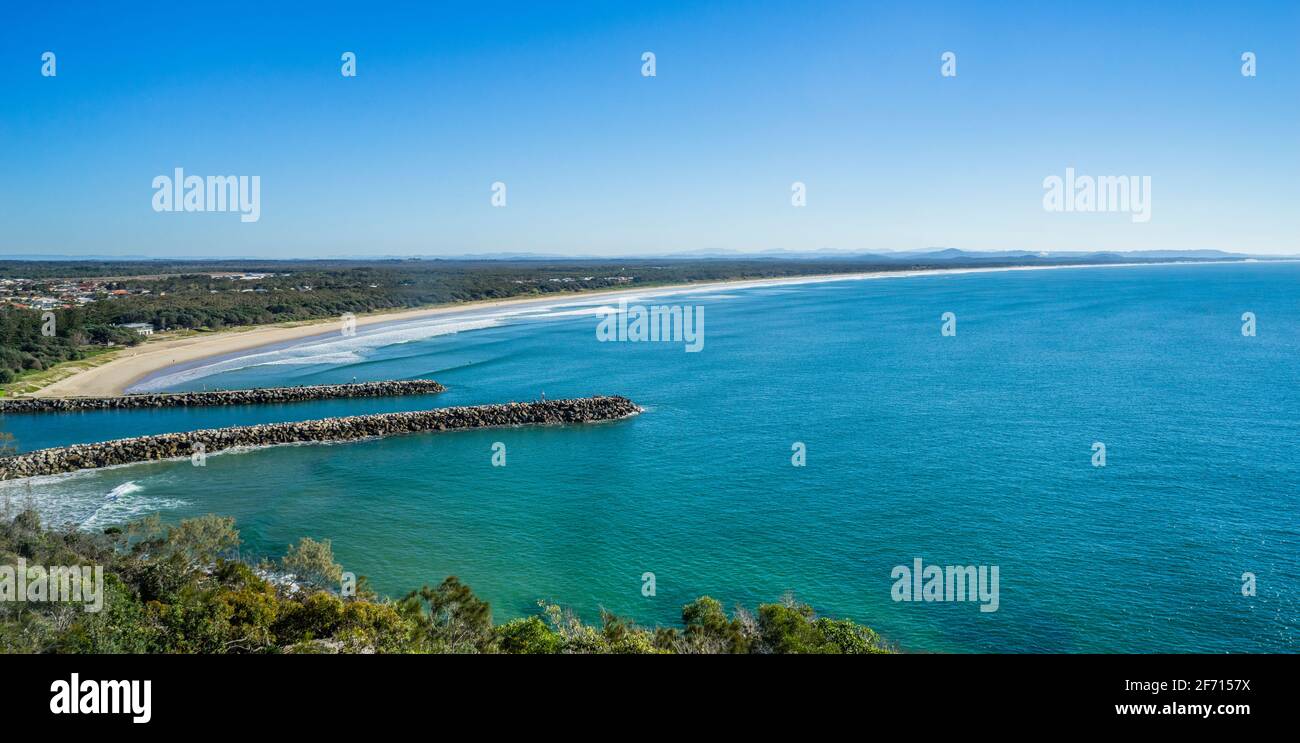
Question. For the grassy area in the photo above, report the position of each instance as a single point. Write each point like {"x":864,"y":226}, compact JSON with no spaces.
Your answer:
{"x":29,"y":382}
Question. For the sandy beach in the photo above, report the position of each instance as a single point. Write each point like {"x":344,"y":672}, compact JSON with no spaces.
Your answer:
{"x":134,"y":364}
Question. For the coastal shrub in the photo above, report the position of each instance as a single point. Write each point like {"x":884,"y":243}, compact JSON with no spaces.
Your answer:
{"x":790,"y":627}
{"x":622,"y":637}
{"x":323,"y":622}
{"x":108,"y":335}
{"x":709,"y":630}
{"x":848,"y":638}
{"x":449,"y":618}
{"x":528,"y":636}
{"x":191,"y":621}
{"x":787,"y":628}
{"x":178,"y":590}
{"x":319,"y":615}
{"x":251,"y":610}
{"x":120,"y":627}
{"x":201,"y":540}
{"x":312,"y":562}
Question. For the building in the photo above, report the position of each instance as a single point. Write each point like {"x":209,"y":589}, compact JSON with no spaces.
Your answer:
{"x":143,"y":328}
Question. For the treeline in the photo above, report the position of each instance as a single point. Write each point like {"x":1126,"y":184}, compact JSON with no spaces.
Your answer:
{"x":182,"y":589}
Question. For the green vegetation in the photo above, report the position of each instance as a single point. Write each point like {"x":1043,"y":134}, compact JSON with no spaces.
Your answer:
{"x":312,"y":563}
{"x":24,"y":349}
{"x":182,"y":589}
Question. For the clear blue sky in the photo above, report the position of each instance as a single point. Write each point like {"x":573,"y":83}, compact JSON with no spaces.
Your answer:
{"x":548,"y":98}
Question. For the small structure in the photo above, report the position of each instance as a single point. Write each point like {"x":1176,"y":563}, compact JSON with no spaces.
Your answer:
{"x":143,"y":328}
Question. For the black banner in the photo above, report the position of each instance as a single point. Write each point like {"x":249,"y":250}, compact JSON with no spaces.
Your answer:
{"x":937,"y":691}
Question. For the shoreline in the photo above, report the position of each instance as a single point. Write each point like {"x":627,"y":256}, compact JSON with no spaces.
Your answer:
{"x":133,"y":365}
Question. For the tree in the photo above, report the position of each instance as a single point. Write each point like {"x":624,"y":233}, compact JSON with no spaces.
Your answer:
{"x":708,"y":630}
{"x":450,"y":617}
{"x":788,"y":627}
{"x":528,"y":636}
{"x":200,"y":540}
{"x":849,"y":638}
{"x":312,"y":562}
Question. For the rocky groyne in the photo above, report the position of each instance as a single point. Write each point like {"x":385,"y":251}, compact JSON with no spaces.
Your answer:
{"x":259,"y":396}
{"x":209,"y":441}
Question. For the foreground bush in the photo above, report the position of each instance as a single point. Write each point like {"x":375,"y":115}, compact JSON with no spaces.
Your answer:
{"x":183,"y":590}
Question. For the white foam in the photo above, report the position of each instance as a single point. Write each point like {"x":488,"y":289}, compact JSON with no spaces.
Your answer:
{"x":123,"y":511}
{"x":79,"y":498}
{"x":339,"y":350}
{"x":124,"y":490}
{"x":338,"y":359}
{"x":336,"y":350}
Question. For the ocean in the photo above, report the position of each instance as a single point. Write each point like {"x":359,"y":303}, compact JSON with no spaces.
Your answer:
{"x":975,"y":449}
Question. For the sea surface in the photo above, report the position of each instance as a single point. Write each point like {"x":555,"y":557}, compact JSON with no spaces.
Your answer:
{"x":972,"y":449}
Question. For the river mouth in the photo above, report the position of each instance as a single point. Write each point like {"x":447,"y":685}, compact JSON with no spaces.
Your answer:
{"x":973,"y":449}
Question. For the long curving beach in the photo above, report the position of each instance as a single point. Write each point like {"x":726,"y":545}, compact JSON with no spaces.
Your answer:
{"x":134,"y":364}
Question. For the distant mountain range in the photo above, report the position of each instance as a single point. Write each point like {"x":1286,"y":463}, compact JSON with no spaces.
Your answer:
{"x":954,"y":254}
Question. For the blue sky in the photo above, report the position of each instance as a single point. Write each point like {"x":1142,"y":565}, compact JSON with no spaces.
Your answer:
{"x":598,"y":160}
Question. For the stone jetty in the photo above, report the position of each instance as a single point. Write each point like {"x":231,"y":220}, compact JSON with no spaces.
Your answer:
{"x":209,"y":441}
{"x":259,"y":396}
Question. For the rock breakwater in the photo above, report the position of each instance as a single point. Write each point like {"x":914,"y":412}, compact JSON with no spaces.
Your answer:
{"x":259,"y":396}
{"x":208,"y":441}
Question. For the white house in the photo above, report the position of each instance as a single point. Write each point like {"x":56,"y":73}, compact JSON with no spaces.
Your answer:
{"x":143,"y":328}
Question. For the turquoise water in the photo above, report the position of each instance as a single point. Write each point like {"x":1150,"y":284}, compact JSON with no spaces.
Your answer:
{"x":972,"y":450}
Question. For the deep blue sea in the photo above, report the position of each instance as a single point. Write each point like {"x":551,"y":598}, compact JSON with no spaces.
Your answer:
{"x":973,"y":449}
